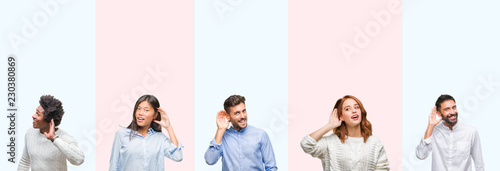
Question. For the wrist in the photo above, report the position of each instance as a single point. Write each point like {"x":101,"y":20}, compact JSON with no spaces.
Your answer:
{"x":53,"y":138}
{"x":330,"y":126}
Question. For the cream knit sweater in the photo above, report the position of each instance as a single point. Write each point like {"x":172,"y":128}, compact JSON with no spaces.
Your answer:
{"x":41,"y":154}
{"x":354,"y":154}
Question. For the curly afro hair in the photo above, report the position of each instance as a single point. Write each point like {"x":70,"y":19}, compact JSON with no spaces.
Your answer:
{"x":53,"y":109}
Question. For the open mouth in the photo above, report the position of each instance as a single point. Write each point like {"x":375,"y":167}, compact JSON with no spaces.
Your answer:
{"x":243,"y":121}
{"x":355,"y":117}
{"x":452,"y":117}
{"x":140,"y":119}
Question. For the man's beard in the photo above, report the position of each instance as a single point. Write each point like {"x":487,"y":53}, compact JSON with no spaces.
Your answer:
{"x":447,"y":120}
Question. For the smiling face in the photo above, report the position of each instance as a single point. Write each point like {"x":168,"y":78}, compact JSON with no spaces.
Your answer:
{"x":38,"y":121}
{"x":351,"y":112}
{"x":238,"y":116}
{"x":449,"y":112}
{"x":144,"y":115}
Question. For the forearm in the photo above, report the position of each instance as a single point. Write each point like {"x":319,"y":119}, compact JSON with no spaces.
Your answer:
{"x":213,"y":153}
{"x":172,"y":136}
{"x":423,"y":149}
{"x":24,"y":163}
{"x":70,"y":150}
{"x":219,"y":134}
{"x":428,"y":132}
{"x":316,"y":135}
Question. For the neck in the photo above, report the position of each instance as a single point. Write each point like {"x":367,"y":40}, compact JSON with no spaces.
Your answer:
{"x":237,"y":129}
{"x":450,"y":125}
{"x":43,"y":130}
{"x":143,"y":131}
{"x":354,"y":131}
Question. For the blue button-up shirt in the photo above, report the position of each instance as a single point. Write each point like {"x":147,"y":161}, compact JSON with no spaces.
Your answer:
{"x":247,"y":150}
{"x":142,"y":153}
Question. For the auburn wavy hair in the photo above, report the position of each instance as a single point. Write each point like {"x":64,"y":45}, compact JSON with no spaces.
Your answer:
{"x":341,"y":131}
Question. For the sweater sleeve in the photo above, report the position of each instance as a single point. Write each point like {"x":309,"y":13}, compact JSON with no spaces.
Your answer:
{"x":382,"y":161}
{"x":318,"y":149}
{"x":24,"y":163}
{"x":69,"y":148}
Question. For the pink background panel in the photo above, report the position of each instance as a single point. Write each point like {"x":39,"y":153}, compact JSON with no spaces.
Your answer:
{"x":144,"y":48}
{"x":320,"y":73}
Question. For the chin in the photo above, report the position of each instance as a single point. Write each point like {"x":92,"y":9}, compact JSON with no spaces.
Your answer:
{"x":242,"y":126}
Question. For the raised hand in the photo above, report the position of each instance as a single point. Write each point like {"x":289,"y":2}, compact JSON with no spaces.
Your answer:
{"x":334,"y":120}
{"x":222,"y":123}
{"x":433,"y":120}
{"x":165,"y":121}
{"x":52,"y":131}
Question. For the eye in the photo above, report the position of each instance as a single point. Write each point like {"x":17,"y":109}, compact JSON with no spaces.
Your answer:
{"x":357,"y":107}
{"x":347,"y":109}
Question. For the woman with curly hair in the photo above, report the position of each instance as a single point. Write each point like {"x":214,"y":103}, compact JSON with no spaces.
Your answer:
{"x":142,"y":145}
{"x":46,"y":146}
{"x":352,"y":146}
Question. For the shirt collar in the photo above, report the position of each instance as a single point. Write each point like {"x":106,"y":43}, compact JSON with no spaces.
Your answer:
{"x":150,"y":131}
{"x":234,"y":130}
{"x":447,"y":128}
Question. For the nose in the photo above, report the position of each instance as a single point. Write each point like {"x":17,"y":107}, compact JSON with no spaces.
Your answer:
{"x":33,"y":116}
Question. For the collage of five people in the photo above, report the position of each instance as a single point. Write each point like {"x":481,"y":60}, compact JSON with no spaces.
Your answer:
{"x":238,"y":85}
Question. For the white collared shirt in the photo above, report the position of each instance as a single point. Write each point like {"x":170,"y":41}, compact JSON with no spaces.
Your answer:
{"x":453,"y":149}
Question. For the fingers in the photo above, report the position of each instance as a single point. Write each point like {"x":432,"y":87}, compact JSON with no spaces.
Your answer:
{"x":52,"y":125}
{"x":161,"y":111}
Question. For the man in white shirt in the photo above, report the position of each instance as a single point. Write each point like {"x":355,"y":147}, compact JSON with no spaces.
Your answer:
{"x":453,"y":144}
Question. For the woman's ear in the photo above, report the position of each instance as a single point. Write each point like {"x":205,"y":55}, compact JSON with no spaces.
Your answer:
{"x":155,"y":117}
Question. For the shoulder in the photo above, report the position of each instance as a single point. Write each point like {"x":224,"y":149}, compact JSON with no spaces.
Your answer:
{"x":253,"y":129}
{"x":31,"y":132}
{"x":257,"y":132}
{"x":330,"y":139}
{"x":63,"y":135}
{"x":123,"y":132}
{"x":467,"y":126}
{"x":375,"y":141}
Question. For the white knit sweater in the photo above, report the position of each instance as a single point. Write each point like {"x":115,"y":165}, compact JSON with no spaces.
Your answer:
{"x":354,"y":154}
{"x":41,"y":154}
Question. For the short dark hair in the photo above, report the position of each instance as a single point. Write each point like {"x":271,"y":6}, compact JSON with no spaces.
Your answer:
{"x":441,"y":99}
{"x":233,"y":101}
{"x":53,"y":109}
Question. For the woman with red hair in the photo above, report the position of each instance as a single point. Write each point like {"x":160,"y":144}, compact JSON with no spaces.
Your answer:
{"x":352,"y":146}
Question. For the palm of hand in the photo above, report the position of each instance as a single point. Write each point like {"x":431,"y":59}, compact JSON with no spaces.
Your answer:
{"x":334,"y":119}
{"x":221,"y":120}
